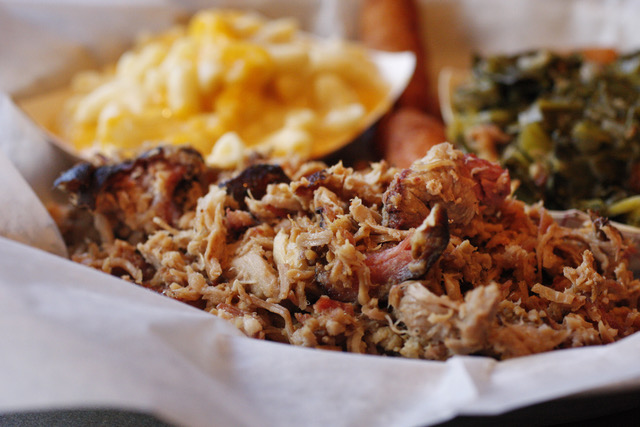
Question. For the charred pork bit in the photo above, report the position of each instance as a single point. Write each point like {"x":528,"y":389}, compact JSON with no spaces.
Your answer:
{"x":403,"y":208}
{"x":85,"y":181}
{"x":461,"y":183}
{"x":164,"y":183}
{"x":415,"y":255}
{"x":305,"y":188}
{"x":253,"y":181}
{"x":493,"y":184}
{"x":82,"y":182}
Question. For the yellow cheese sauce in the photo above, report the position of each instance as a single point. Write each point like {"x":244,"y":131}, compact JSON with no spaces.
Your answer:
{"x":225,"y":82}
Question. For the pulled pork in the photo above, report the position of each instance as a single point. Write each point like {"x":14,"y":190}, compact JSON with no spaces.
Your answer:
{"x":425,"y":262}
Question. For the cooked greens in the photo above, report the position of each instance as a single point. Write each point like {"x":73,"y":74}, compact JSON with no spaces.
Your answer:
{"x":565,"y":126}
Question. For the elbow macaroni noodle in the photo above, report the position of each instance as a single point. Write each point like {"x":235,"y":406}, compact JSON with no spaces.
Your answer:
{"x":225,"y":82}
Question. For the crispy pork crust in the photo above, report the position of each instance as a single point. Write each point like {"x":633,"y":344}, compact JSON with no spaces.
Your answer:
{"x":426,"y":262}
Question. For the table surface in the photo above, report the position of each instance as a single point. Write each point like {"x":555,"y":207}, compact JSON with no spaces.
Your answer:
{"x":611,"y":409}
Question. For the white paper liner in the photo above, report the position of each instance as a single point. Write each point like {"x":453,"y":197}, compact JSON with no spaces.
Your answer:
{"x":73,"y":337}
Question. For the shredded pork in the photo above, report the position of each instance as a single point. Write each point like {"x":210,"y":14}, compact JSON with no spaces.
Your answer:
{"x":426,"y":262}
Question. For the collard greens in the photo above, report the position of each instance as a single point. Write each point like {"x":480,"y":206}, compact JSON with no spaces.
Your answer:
{"x":565,"y":126}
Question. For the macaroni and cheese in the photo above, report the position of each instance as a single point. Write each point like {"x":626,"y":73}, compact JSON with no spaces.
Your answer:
{"x":225,"y":82}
